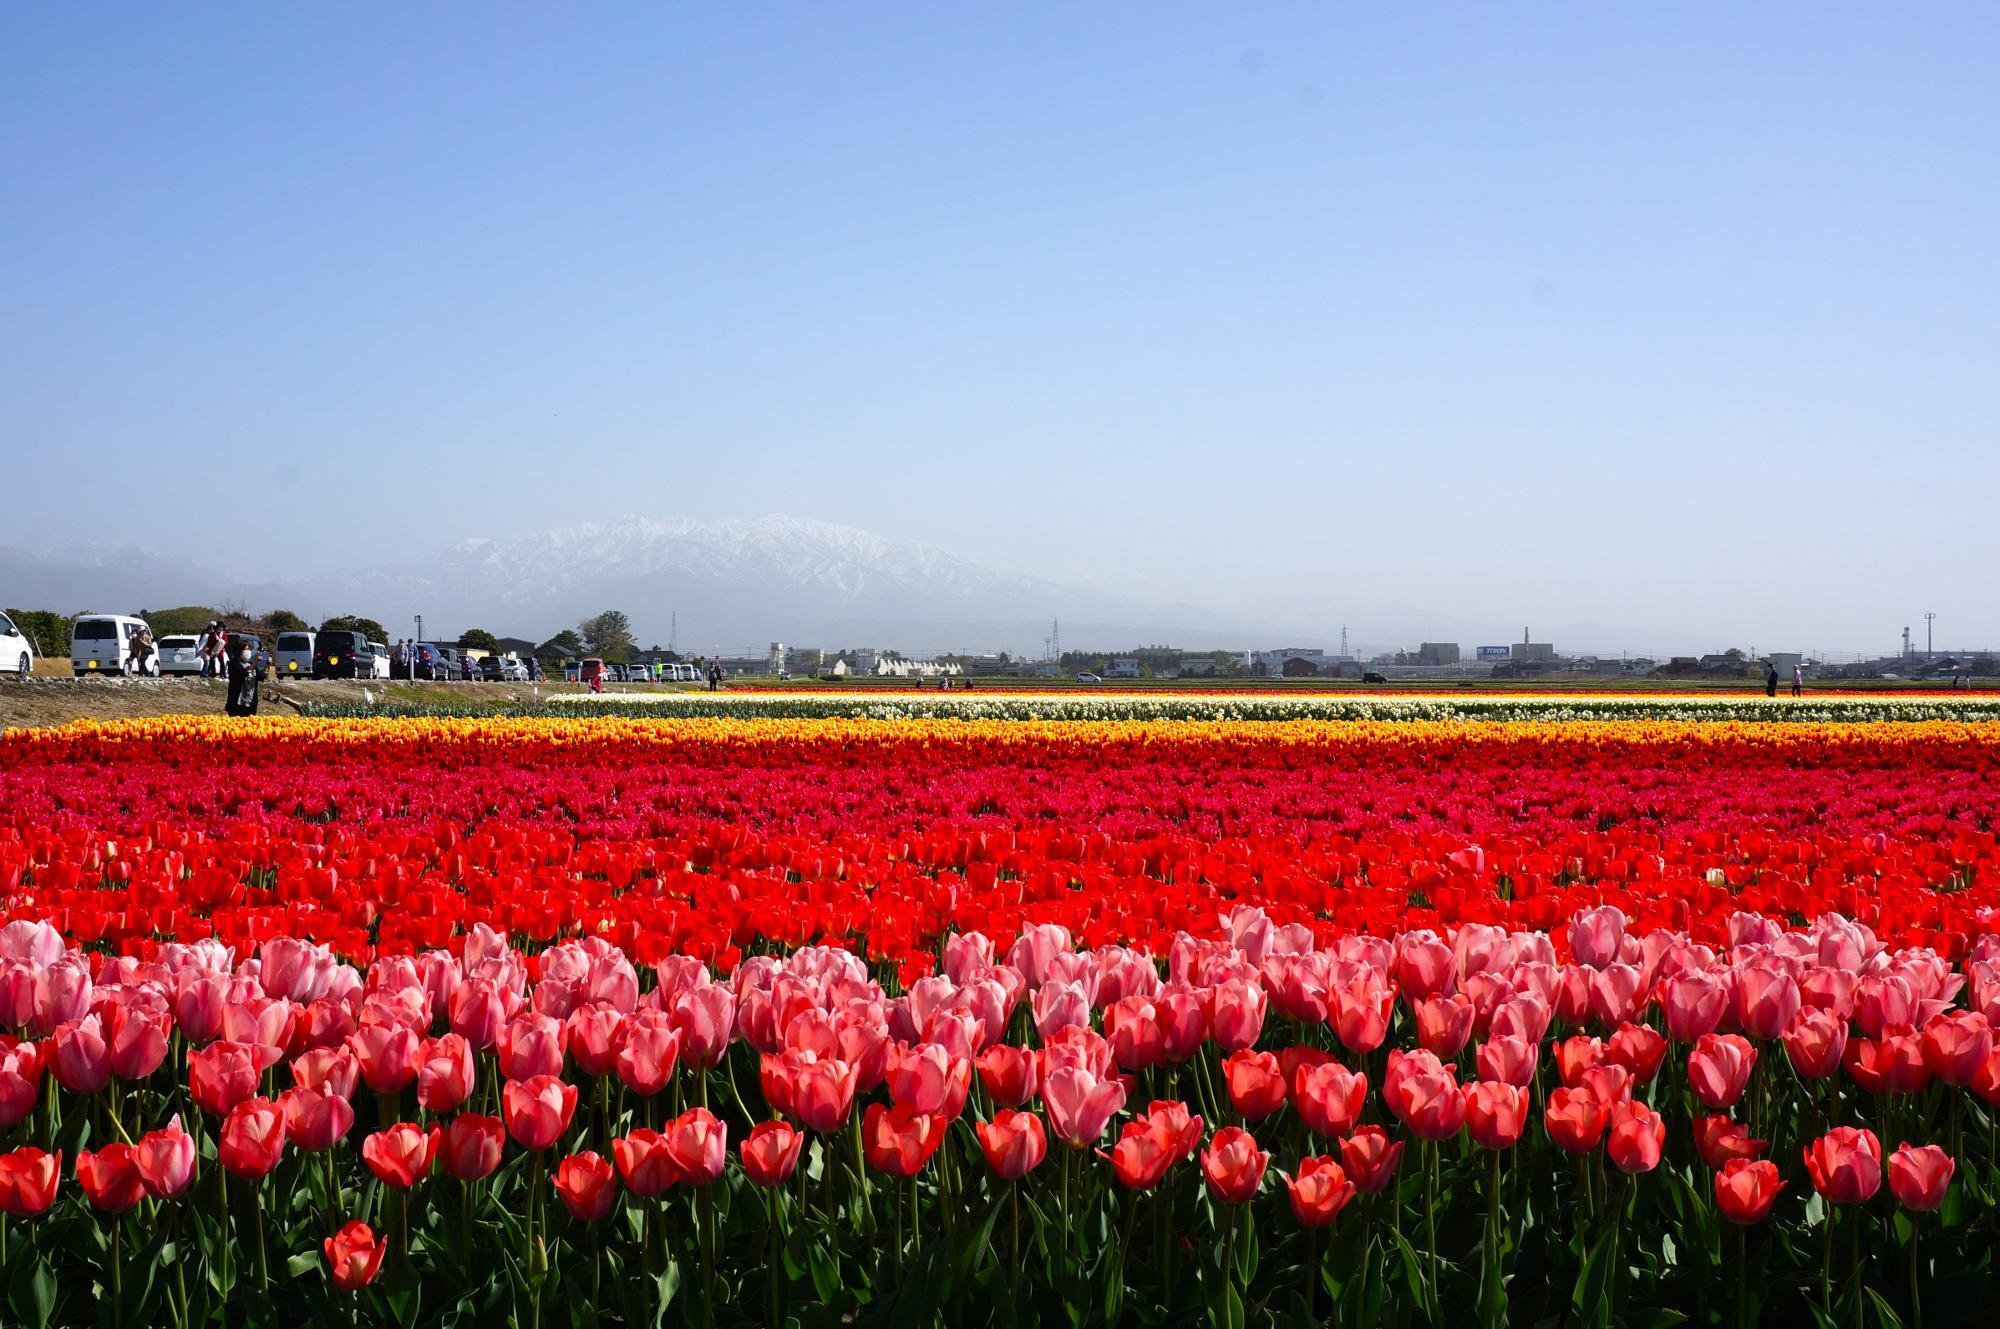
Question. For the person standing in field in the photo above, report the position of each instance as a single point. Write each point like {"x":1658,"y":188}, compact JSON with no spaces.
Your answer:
{"x":1770,"y":679}
{"x":242,"y":680}
{"x":1798,"y":680}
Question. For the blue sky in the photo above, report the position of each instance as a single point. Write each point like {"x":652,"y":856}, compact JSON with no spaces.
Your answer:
{"x":1678,"y":316}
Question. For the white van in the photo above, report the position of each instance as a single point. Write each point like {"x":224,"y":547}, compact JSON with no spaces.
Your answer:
{"x":294,"y":657}
{"x":102,"y":644}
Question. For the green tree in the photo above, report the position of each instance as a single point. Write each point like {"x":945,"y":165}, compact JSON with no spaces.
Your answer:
{"x":478,"y":639}
{"x":284,"y":620}
{"x":367,"y":627}
{"x":608,"y":635}
{"x":184,"y":619}
{"x":565,"y":643}
{"x":48,"y":630}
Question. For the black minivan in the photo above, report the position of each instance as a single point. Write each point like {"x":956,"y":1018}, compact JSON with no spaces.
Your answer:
{"x":343,"y":655}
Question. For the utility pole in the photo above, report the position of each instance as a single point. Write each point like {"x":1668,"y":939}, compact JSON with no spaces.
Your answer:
{"x":413,"y":654}
{"x":1929,"y":618}
{"x":674,"y":632}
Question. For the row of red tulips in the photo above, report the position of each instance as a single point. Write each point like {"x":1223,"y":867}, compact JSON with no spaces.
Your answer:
{"x":390,"y":1133}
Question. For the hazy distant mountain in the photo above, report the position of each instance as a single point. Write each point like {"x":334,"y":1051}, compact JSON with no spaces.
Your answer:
{"x":737,"y":584}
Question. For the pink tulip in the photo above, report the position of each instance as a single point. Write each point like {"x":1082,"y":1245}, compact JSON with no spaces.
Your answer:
{"x":1080,"y":1104}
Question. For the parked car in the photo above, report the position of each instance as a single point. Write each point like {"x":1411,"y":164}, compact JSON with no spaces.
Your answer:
{"x":424,"y":660}
{"x":449,"y":665}
{"x":502,"y":669}
{"x":344,"y":655}
{"x":16,"y":651}
{"x":1088,"y":678}
{"x":102,"y":644}
{"x":589,"y":669}
{"x":295,"y":654}
{"x":1373,"y":676}
{"x":180,"y":654}
{"x":382,"y":658}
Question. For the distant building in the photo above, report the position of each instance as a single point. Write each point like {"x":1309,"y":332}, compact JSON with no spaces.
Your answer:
{"x":1438,"y":653}
{"x":1199,"y":666}
{"x":1122,"y":666}
{"x":1532,"y":652}
{"x":1279,"y":662}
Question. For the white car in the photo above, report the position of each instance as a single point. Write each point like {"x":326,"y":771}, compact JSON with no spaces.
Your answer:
{"x":17,"y":653}
{"x":294,"y":657}
{"x":102,"y":644}
{"x":381,"y":668}
{"x":180,"y":654}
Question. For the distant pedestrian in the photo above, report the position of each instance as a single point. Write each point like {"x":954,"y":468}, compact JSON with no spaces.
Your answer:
{"x":398,"y":657}
{"x":1770,"y":679}
{"x":142,"y":650}
{"x":715,"y":676}
{"x":210,"y":649}
{"x":242,"y":679}
{"x":1798,"y":680}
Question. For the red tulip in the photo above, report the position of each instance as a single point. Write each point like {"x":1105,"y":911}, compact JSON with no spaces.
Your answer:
{"x":354,"y":1256}
{"x":388,"y":1055}
{"x":1255,"y":1082}
{"x":698,"y":1143}
{"x":445,"y":1075}
{"x":1319,"y":1192}
{"x":587,"y":1185}
{"x":1495,"y":1113}
{"x":1918,"y":1176}
{"x":1639,"y":1049}
{"x":1329,"y":1098}
{"x":1233,"y":1165}
{"x":1637,"y":1135}
{"x":401,"y":1156}
{"x":1719,"y":1139}
{"x":166,"y":1160}
{"x":470,"y":1146}
{"x":645,"y":1163}
{"x":771,"y":1152}
{"x":1011,"y":1075}
{"x":1815,"y":1043}
{"x":253,"y":1138}
{"x":1370,"y":1158}
{"x":898,"y":1141}
{"x":1845,"y":1164}
{"x":1014,"y":1143}
{"x":537,"y":1110}
{"x":1956,"y":1046}
{"x":29,"y":1179}
{"x":315,"y":1121}
{"x":110,"y":1177}
{"x":1144,"y":1152}
{"x":648,"y":1047}
{"x":1424,"y":1095}
{"x":1745,"y":1189}
{"x":1575,"y":1120}
{"x":1719,"y":1068}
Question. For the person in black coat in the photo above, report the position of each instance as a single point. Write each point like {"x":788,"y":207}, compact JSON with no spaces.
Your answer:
{"x":242,"y":678}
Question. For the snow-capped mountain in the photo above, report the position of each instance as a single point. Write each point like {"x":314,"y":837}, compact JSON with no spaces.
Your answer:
{"x":733,"y":583}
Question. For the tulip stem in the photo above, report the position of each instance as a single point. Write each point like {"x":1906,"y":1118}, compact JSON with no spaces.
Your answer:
{"x":705,"y":1205}
{"x":1854,"y":1237}
{"x":117,"y":1272}
{"x":1916,"y":1298}
{"x":1742,"y":1278}
{"x":263,"y":1263}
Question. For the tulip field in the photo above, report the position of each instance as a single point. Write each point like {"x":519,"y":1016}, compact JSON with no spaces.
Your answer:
{"x":715,"y":1012}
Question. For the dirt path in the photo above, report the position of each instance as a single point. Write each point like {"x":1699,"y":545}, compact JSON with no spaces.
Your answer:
{"x":54,"y":701}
